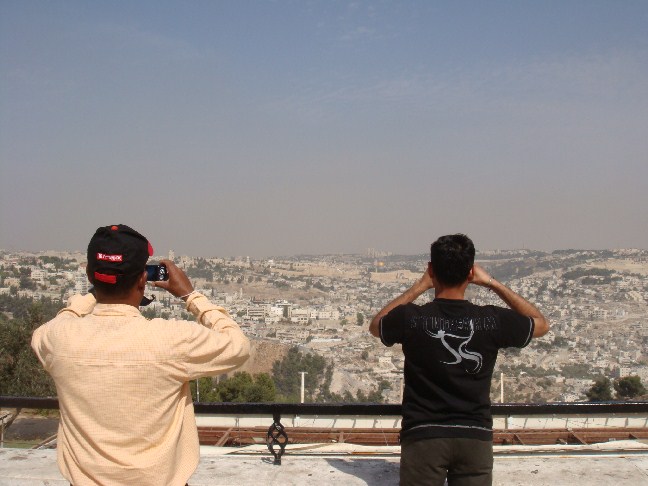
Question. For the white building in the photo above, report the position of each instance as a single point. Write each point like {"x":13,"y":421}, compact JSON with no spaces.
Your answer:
{"x":300,"y":316}
{"x":81,"y":282}
{"x":258,"y":311}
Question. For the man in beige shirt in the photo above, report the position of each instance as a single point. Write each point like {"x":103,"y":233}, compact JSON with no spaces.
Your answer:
{"x":123,"y":380}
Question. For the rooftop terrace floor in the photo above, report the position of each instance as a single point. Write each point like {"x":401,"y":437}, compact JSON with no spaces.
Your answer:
{"x":621,"y":463}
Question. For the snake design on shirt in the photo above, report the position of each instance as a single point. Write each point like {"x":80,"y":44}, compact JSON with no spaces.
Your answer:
{"x":461,"y":353}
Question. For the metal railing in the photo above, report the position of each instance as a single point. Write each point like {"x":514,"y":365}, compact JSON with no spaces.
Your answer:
{"x":277,"y":437}
{"x":393,"y":409}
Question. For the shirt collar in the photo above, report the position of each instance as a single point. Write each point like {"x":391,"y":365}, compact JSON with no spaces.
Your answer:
{"x":116,"y":310}
{"x":450,"y":301}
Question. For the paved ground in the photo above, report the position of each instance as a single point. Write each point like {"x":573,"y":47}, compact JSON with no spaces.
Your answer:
{"x":619,"y":464}
{"x":32,"y":428}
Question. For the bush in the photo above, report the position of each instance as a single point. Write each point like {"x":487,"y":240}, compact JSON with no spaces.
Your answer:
{"x":629,"y":387}
{"x":600,"y":390}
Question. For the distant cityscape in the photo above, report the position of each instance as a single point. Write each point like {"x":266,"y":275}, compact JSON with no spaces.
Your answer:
{"x":597,"y":302}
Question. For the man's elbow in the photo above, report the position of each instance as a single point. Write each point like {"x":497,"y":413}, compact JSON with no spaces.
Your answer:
{"x":238,"y":359}
{"x":239,"y":350}
{"x":374,"y":327}
{"x":541,"y":326}
{"x":244,"y":350}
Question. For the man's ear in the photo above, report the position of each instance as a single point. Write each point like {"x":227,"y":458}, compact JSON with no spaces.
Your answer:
{"x":430,"y":270}
{"x":141,"y":283}
{"x":471,"y":274}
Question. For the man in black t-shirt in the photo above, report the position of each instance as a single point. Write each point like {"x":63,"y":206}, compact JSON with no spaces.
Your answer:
{"x":450,"y":348}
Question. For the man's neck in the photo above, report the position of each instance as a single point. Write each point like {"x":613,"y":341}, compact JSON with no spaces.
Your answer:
{"x":132,"y":300}
{"x":450,"y":293}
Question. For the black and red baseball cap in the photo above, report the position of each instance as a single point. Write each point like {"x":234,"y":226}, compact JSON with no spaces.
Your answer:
{"x":117,"y":250}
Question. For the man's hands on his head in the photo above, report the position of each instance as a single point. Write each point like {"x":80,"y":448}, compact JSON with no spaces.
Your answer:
{"x":178,"y":283}
{"x":480,"y":276}
{"x":426,"y":280}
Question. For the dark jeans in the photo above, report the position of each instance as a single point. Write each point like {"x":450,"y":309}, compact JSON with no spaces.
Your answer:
{"x":465,"y":462}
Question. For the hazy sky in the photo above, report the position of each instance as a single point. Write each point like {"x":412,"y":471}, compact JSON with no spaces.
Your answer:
{"x":260,"y":128}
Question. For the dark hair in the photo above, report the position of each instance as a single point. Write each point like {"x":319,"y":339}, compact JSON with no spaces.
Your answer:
{"x":452,"y":257}
{"x":121,"y":288}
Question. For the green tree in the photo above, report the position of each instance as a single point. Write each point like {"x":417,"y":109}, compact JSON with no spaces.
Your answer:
{"x":384,"y":385}
{"x":373,"y":396}
{"x":360,"y":319}
{"x":287,"y":377}
{"x":26,"y":283}
{"x":629,"y":387}
{"x":262,"y":389}
{"x":600,"y":391}
{"x":149,"y":313}
{"x":241,"y":387}
{"x":206,"y":387}
{"x":20,"y":371}
{"x":577,"y":370}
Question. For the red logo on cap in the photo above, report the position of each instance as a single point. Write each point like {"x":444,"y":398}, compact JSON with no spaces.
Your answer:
{"x":110,"y":258}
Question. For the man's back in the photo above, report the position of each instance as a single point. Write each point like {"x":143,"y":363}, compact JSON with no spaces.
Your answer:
{"x":122,"y":381}
{"x":450,"y":349}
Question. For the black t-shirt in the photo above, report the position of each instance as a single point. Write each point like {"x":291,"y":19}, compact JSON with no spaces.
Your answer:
{"x":450,"y":349}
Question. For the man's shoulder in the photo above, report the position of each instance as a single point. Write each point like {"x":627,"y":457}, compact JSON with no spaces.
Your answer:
{"x":62,"y":319}
{"x":404,"y":309}
{"x":405,"y":312}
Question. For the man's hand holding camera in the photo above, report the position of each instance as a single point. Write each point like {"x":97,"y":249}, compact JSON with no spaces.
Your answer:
{"x":178,"y":283}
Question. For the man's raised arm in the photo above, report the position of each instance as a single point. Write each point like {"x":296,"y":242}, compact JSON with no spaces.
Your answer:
{"x":515,"y":301}
{"x":423,"y":284}
{"x":209,"y":353}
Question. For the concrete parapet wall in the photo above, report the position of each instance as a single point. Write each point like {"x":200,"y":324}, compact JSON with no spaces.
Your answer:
{"x":570,"y":421}
{"x":394,"y":422}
